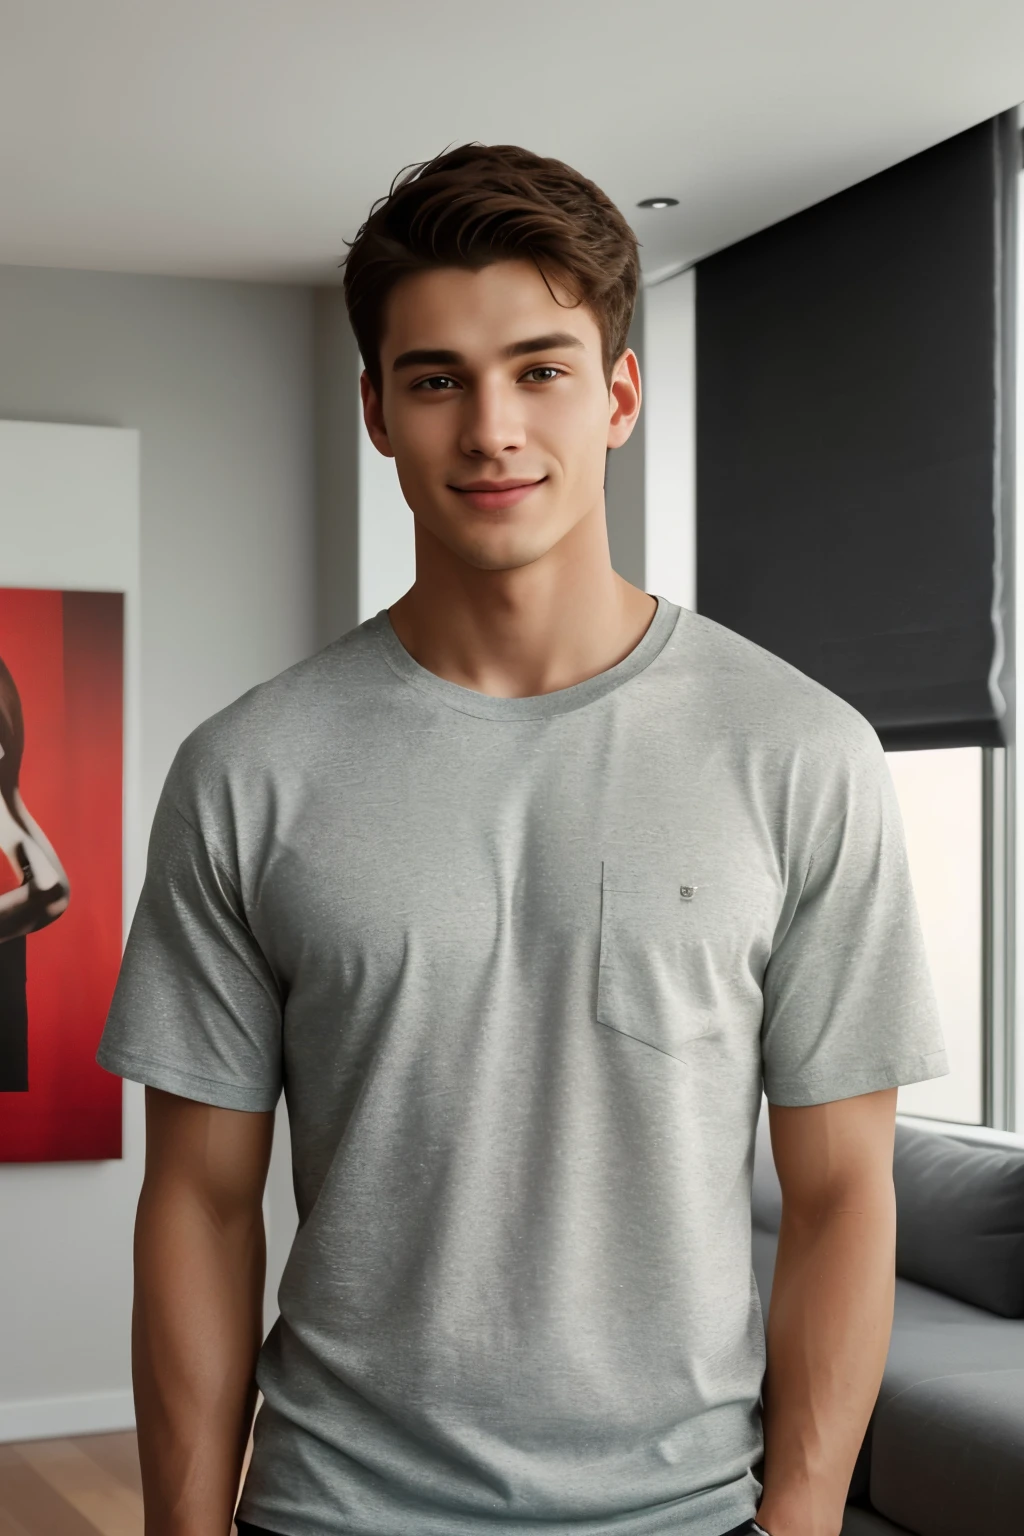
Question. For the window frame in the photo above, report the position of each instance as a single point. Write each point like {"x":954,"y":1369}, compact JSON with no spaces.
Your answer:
{"x":999,"y":1024}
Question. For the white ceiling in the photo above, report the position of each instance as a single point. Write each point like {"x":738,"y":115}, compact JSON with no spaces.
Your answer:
{"x":248,"y":138}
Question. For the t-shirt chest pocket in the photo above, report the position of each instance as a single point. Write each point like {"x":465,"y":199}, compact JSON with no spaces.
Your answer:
{"x":660,"y":970}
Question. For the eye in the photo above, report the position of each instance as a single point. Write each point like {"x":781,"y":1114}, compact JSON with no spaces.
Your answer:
{"x":436,"y":378}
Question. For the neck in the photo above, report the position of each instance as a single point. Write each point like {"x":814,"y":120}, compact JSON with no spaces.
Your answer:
{"x":542,"y":626}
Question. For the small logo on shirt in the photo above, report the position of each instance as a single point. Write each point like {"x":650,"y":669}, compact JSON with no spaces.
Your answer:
{"x":686,"y":892}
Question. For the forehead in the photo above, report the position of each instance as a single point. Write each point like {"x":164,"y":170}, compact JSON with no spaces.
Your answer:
{"x":479,"y":311}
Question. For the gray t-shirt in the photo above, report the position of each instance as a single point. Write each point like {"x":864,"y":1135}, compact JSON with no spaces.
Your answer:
{"x":522,"y":968}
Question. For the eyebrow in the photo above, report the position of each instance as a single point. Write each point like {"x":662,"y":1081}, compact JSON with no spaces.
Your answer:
{"x":445,"y":358}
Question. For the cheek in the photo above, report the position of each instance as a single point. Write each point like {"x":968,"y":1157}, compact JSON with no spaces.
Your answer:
{"x":416,"y":437}
{"x":581,"y":450}
{"x":574,"y":426}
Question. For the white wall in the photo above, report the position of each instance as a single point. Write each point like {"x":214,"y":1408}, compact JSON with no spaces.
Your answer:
{"x":387,"y":552}
{"x":669,"y":422}
{"x":218,"y":379}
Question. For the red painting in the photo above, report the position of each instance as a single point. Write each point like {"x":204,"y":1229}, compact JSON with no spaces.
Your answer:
{"x":61,"y":756}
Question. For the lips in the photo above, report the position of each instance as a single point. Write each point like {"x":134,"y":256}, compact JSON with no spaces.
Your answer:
{"x":495,"y":485}
{"x":494,"y":497}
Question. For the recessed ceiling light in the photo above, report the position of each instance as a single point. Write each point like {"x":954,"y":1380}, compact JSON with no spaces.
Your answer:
{"x":659,"y":202}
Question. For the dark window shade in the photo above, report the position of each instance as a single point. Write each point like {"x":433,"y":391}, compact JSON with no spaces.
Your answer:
{"x":854,"y":429}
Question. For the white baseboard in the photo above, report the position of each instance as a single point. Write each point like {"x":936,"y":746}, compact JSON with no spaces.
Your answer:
{"x":51,"y":1418}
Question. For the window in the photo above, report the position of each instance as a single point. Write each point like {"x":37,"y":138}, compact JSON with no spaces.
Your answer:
{"x":940,"y":795}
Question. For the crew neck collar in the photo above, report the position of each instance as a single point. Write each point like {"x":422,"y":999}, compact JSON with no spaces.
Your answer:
{"x":534,"y":706}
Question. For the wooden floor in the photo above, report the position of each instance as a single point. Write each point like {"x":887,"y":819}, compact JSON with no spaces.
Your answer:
{"x":73,"y":1487}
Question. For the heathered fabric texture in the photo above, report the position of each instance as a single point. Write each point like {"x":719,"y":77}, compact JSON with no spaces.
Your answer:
{"x":519,"y":966}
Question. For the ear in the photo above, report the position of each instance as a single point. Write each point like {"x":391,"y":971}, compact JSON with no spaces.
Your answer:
{"x":373,"y":417}
{"x":626,"y":395}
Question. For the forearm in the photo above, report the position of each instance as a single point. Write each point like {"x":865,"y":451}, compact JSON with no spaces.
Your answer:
{"x":828,"y":1332}
{"x":43,"y":893}
{"x":197,"y":1326}
{"x":57,"y":871}
{"x":22,"y":911}
{"x":16,"y":915}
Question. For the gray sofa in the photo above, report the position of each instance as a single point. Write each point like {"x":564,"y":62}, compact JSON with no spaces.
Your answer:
{"x":944,"y":1452}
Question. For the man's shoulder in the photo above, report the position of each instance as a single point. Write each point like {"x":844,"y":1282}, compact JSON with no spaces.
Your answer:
{"x":784,"y":742}
{"x":277,"y":722}
{"x":749,"y":691}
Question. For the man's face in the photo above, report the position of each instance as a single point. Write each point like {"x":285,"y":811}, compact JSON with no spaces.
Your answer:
{"x":475,"y":414}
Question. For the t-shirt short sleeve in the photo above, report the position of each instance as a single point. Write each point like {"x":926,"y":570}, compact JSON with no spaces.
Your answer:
{"x":196,"y":1010}
{"x":849,"y":1003}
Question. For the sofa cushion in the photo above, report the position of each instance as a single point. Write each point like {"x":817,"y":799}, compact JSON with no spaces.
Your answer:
{"x":937,"y":1336}
{"x":960,"y":1219}
{"x":864,"y":1522}
{"x":933,"y":1337}
{"x":762,"y":1253}
{"x":947,"y":1455}
{"x":765,"y":1189}
{"x":954,"y":1378}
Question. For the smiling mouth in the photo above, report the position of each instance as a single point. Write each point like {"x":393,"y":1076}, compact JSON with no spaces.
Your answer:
{"x":494,"y":498}
{"x":496,"y":501}
{"x":498,"y":486}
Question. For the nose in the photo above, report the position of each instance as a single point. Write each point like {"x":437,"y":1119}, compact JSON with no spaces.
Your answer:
{"x":492,"y":421}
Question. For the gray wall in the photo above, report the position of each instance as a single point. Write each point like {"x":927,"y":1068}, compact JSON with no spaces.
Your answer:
{"x":339,"y":426}
{"x":218,"y":378}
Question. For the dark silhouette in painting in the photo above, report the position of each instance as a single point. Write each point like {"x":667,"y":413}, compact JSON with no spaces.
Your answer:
{"x":41,"y":895}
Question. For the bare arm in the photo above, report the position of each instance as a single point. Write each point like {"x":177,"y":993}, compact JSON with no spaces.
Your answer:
{"x":831,"y":1310}
{"x":29,"y":906}
{"x":48,"y":868}
{"x":197,"y":1320}
{"x":44,"y":892}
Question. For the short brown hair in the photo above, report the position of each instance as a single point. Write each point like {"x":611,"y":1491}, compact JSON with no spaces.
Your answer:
{"x":482,"y":203}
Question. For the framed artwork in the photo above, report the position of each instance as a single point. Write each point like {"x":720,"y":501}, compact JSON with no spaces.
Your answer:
{"x":61,"y":859}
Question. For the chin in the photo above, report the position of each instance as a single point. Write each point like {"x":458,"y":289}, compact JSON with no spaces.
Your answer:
{"x":506,"y":557}
{"x":503,"y":548}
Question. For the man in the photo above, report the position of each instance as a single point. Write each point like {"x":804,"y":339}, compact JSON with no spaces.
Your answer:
{"x":521,"y":890}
